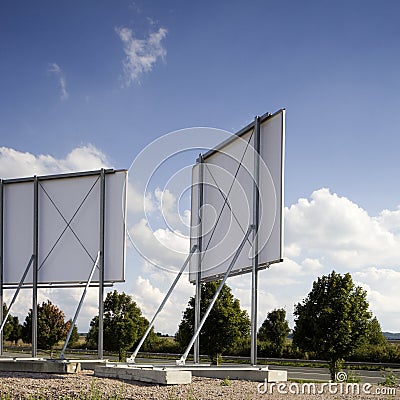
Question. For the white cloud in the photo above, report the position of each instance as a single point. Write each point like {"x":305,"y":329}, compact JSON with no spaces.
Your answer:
{"x":140,"y":54}
{"x":162,"y":247}
{"x":149,"y":297}
{"x":16,"y":164}
{"x":390,"y":220}
{"x":324,"y":233}
{"x":383,"y":295}
{"x":138,"y":202}
{"x":56,"y":70}
{"x":339,"y":233}
{"x":167,"y":206}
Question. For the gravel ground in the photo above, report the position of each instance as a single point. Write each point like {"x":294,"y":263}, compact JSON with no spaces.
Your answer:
{"x":84,"y":385}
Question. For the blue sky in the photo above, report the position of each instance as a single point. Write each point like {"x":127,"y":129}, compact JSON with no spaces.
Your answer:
{"x":72,"y":78}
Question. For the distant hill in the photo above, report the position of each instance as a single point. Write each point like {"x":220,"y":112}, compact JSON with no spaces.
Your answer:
{"x":391,"y":336}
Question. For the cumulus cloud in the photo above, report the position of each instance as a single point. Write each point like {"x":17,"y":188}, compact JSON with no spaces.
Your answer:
{"x":140,"y":54}
{"x":323,"y":233}
{"x":338,"y":232}
{"x":17,"y":164}
{"x":161,"y":247}
{"x":167,"y":206}
{"x":148,"y":296}
{"x":56,"y":70}
{"x":139,"y":202}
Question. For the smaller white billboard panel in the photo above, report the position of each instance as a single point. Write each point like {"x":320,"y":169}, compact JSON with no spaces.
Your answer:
{"x":228,"y":178}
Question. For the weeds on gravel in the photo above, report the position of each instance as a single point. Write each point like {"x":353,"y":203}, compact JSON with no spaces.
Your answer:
{"x":390,"y":379}
{"x":93,"y":394}
{"x":226,"y":382}
{"x":190,"y":396}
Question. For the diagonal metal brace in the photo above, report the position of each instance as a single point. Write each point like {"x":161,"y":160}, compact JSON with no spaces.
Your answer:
{"x":131,"y":359}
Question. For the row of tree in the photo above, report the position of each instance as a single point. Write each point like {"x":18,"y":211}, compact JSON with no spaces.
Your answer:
{"x":332,"y":323}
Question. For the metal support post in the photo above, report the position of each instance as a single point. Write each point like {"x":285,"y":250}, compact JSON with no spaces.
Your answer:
{"x":182,"y":360}
{"x":101,"y":265}
{"x":80,"y":305}
{"x":35,"y":265}
{"x":197,"y":314}
{"x":256,"y":221}
{"x":131,"y":359}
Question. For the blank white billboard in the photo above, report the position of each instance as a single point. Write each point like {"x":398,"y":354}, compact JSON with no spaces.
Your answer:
{"x":69,"y":210}
{"x":226,"y":177}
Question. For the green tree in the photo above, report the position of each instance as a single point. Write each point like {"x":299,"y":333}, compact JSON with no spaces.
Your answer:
{"x":74,"y":338}
{"x":12,"y":328}
{"x":16,"y":332}
{"x":8,"y":327}
{"x":273,"y":332}
{"x":226,"y":327}
{"x":124,"y":324}
{"x":373,"y":347}
{"x":52,"y":327}
{"x":332,"y":320}
{"x":374,"y":335}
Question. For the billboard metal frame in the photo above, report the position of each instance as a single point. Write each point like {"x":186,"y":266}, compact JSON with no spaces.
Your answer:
{"x":33,"y":264}
{"x":251,"y":141}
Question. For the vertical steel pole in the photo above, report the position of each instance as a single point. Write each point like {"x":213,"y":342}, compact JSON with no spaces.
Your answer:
{"x":256,"y":221}
{"x":197,"y":316}
{"x":35,"y":265}
{"x":101,"y":264}
{"x":1,"y":265}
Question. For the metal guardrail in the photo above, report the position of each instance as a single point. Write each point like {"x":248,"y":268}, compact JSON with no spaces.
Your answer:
{"x":175,"y":356}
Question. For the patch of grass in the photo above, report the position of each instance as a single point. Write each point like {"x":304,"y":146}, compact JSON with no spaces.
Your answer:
{"x":353,"y":377}
{"x":301,"y":381}
{"x":391,"y":379}
{"x":226,"y":382}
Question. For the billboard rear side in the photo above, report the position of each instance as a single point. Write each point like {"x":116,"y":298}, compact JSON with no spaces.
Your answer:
{"x":227,"y":175}
{"x":68,"y":227}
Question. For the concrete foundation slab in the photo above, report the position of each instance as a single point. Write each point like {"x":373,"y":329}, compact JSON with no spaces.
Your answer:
{"x":39,"y":365}
{"x":171,"y":374}
{"x":91,"y":364}
{"x":156,"y":375}
{"x":255,"y":374}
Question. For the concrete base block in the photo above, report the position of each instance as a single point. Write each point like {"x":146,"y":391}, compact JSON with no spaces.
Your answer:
{"x":255,"y":374}
{"x":161,"y":376}
{"x":91,"y":364}
{"x":39,"y":365}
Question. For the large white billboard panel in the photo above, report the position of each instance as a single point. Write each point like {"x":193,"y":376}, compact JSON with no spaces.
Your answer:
{"x":68,"y":227}
{"x":227,"y":212}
